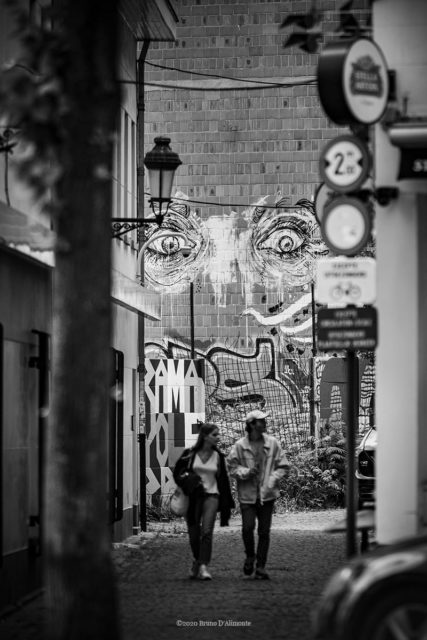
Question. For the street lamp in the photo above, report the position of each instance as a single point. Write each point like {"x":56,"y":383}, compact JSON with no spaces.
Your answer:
{"x":161,"y":163}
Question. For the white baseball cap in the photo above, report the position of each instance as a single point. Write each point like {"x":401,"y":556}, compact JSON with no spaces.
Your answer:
{"x":256,"y":414}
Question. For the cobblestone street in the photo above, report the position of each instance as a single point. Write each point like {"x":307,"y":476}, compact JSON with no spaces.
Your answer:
{"x":159,"y":602}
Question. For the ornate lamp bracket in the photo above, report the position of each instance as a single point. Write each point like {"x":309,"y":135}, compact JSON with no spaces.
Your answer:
{"x":120,"y":226}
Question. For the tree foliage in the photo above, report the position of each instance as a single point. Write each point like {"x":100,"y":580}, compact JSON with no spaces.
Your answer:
{"x":34,"y":101}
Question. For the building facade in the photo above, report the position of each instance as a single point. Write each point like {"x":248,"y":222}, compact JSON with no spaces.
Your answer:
{"x":27,"y":264}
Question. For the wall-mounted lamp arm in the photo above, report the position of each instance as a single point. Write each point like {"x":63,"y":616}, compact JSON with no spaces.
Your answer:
{"x":120,"y":226}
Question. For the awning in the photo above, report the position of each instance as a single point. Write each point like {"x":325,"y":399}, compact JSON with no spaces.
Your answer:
{"x":150,"y":19}
{"x":25,"y":234}
{"x":134,"y":296}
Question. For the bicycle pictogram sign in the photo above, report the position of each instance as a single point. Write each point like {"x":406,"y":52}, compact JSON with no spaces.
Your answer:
{"x":345,"y":290}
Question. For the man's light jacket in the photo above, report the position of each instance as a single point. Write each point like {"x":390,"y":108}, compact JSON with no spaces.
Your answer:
{"x":275,"y":465}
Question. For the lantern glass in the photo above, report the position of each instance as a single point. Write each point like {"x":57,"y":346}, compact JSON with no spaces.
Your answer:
{"x":161,"y":163}
{"x":161,"y":181}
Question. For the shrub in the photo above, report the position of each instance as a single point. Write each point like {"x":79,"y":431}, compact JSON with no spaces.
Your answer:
{"x":317,"y":476}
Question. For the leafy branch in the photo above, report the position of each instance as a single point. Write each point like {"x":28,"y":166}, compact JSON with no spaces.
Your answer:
{"x":32,"y":98}
{"x":309,"y":39}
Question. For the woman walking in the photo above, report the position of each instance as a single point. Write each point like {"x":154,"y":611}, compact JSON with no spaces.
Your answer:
{"x":202,"y":474}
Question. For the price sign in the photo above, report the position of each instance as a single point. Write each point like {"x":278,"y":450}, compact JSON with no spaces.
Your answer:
{"x":344,"y":164}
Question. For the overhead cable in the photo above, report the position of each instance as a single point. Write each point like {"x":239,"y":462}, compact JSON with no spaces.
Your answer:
{"x":277,"y":85}
{"x":213,"y":75}
{"x":228,"y":204}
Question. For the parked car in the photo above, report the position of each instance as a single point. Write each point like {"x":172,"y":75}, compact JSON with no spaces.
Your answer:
{"x":379,"y":595}
{"x":365,"y":468}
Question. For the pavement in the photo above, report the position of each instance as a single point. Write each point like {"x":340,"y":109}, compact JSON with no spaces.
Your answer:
{"x":159,"y":602}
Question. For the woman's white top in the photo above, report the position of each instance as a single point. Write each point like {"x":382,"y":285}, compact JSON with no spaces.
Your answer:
{"x":207,"y":471}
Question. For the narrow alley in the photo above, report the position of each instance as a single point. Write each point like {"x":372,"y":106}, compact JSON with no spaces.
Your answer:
{"x":159,"y":602}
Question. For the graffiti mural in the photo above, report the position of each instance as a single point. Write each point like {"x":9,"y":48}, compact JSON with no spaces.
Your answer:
{"x":254,"y":315}
{"x":235,"y":383}
{"x":174,"y":406}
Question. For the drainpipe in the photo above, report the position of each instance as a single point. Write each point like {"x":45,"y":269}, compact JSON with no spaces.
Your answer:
{"x":141,"y":319}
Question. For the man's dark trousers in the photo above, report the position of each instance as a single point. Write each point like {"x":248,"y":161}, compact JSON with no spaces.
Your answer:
{"x":263,"y":513}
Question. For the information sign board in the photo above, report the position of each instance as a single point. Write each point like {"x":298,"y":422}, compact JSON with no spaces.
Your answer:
{"x":345,"y":281}
{"x":347,"y":328}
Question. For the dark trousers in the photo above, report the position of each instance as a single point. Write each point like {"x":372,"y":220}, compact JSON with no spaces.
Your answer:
{"x":263,"y":513}
{"x":201,"y":530}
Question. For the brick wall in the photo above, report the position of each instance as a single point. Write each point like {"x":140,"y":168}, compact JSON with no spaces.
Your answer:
{"x":236,"y":147}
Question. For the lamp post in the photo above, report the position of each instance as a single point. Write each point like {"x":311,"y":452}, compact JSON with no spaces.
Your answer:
{"x":161,"y":163}
{"x":313,"y":365}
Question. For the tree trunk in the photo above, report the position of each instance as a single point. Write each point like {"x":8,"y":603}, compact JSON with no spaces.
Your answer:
{"x":79,"y":576}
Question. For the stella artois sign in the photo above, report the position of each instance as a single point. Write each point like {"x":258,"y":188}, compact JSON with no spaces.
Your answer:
{"x":353,"y":82}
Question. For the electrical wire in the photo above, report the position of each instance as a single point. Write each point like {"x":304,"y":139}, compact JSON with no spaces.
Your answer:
{"x":210,"y":75}
{"x":228,"y":204}
{"x":312,"y":81}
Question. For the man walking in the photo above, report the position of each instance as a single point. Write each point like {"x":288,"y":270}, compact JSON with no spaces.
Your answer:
{"x":257,"y":462}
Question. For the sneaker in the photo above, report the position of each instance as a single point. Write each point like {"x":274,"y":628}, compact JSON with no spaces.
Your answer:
{"x":194,"y":571}
{"x":204,"y":573}
{"x":248,"y":567}
{"x":261,"y":574}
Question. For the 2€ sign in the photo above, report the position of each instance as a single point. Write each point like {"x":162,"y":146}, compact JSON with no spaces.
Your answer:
{"x":344,"y":164}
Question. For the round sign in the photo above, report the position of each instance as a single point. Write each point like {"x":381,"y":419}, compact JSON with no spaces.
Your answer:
{"x":346,"y":225}
{"x":365,"y":81}
{"x":321,"y":197}
{"x":344,"y":164}
{"x":353,"y":81}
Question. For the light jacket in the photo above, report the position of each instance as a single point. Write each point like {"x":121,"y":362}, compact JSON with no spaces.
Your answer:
{"x":275,"y":466}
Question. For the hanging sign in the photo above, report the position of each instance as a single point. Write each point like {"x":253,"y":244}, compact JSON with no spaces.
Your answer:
{"x":346,"y":225}
{"x":344,"y":164}
{"x":352,"y":328}
{"x":352,"y":80}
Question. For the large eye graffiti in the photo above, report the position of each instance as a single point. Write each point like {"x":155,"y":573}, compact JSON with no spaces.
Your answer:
{"x":282,"y":239}
{"x":169,"y":245}
{"x":285,"y":243}
{"x":175,"y":251}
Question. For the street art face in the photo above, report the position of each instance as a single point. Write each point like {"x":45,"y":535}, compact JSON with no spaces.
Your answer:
{"x":164,"y":263}
{"x":284,"y":244}
{"x":274,"y":247}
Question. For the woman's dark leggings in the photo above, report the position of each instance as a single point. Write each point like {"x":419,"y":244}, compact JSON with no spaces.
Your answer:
{"x":201,"y":531}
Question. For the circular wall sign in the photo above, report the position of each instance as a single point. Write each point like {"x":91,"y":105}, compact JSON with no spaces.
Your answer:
{"x":321,"y":197}
{"x":353,"y":81}
{"x":346,"y":225}
{"x":344,"y":164}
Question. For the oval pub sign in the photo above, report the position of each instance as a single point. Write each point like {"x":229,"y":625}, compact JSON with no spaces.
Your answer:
{"x":353,"y":81}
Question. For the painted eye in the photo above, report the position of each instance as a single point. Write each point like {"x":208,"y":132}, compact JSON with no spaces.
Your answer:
{"x":281,"y":241}
{"x":166,"y":246}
